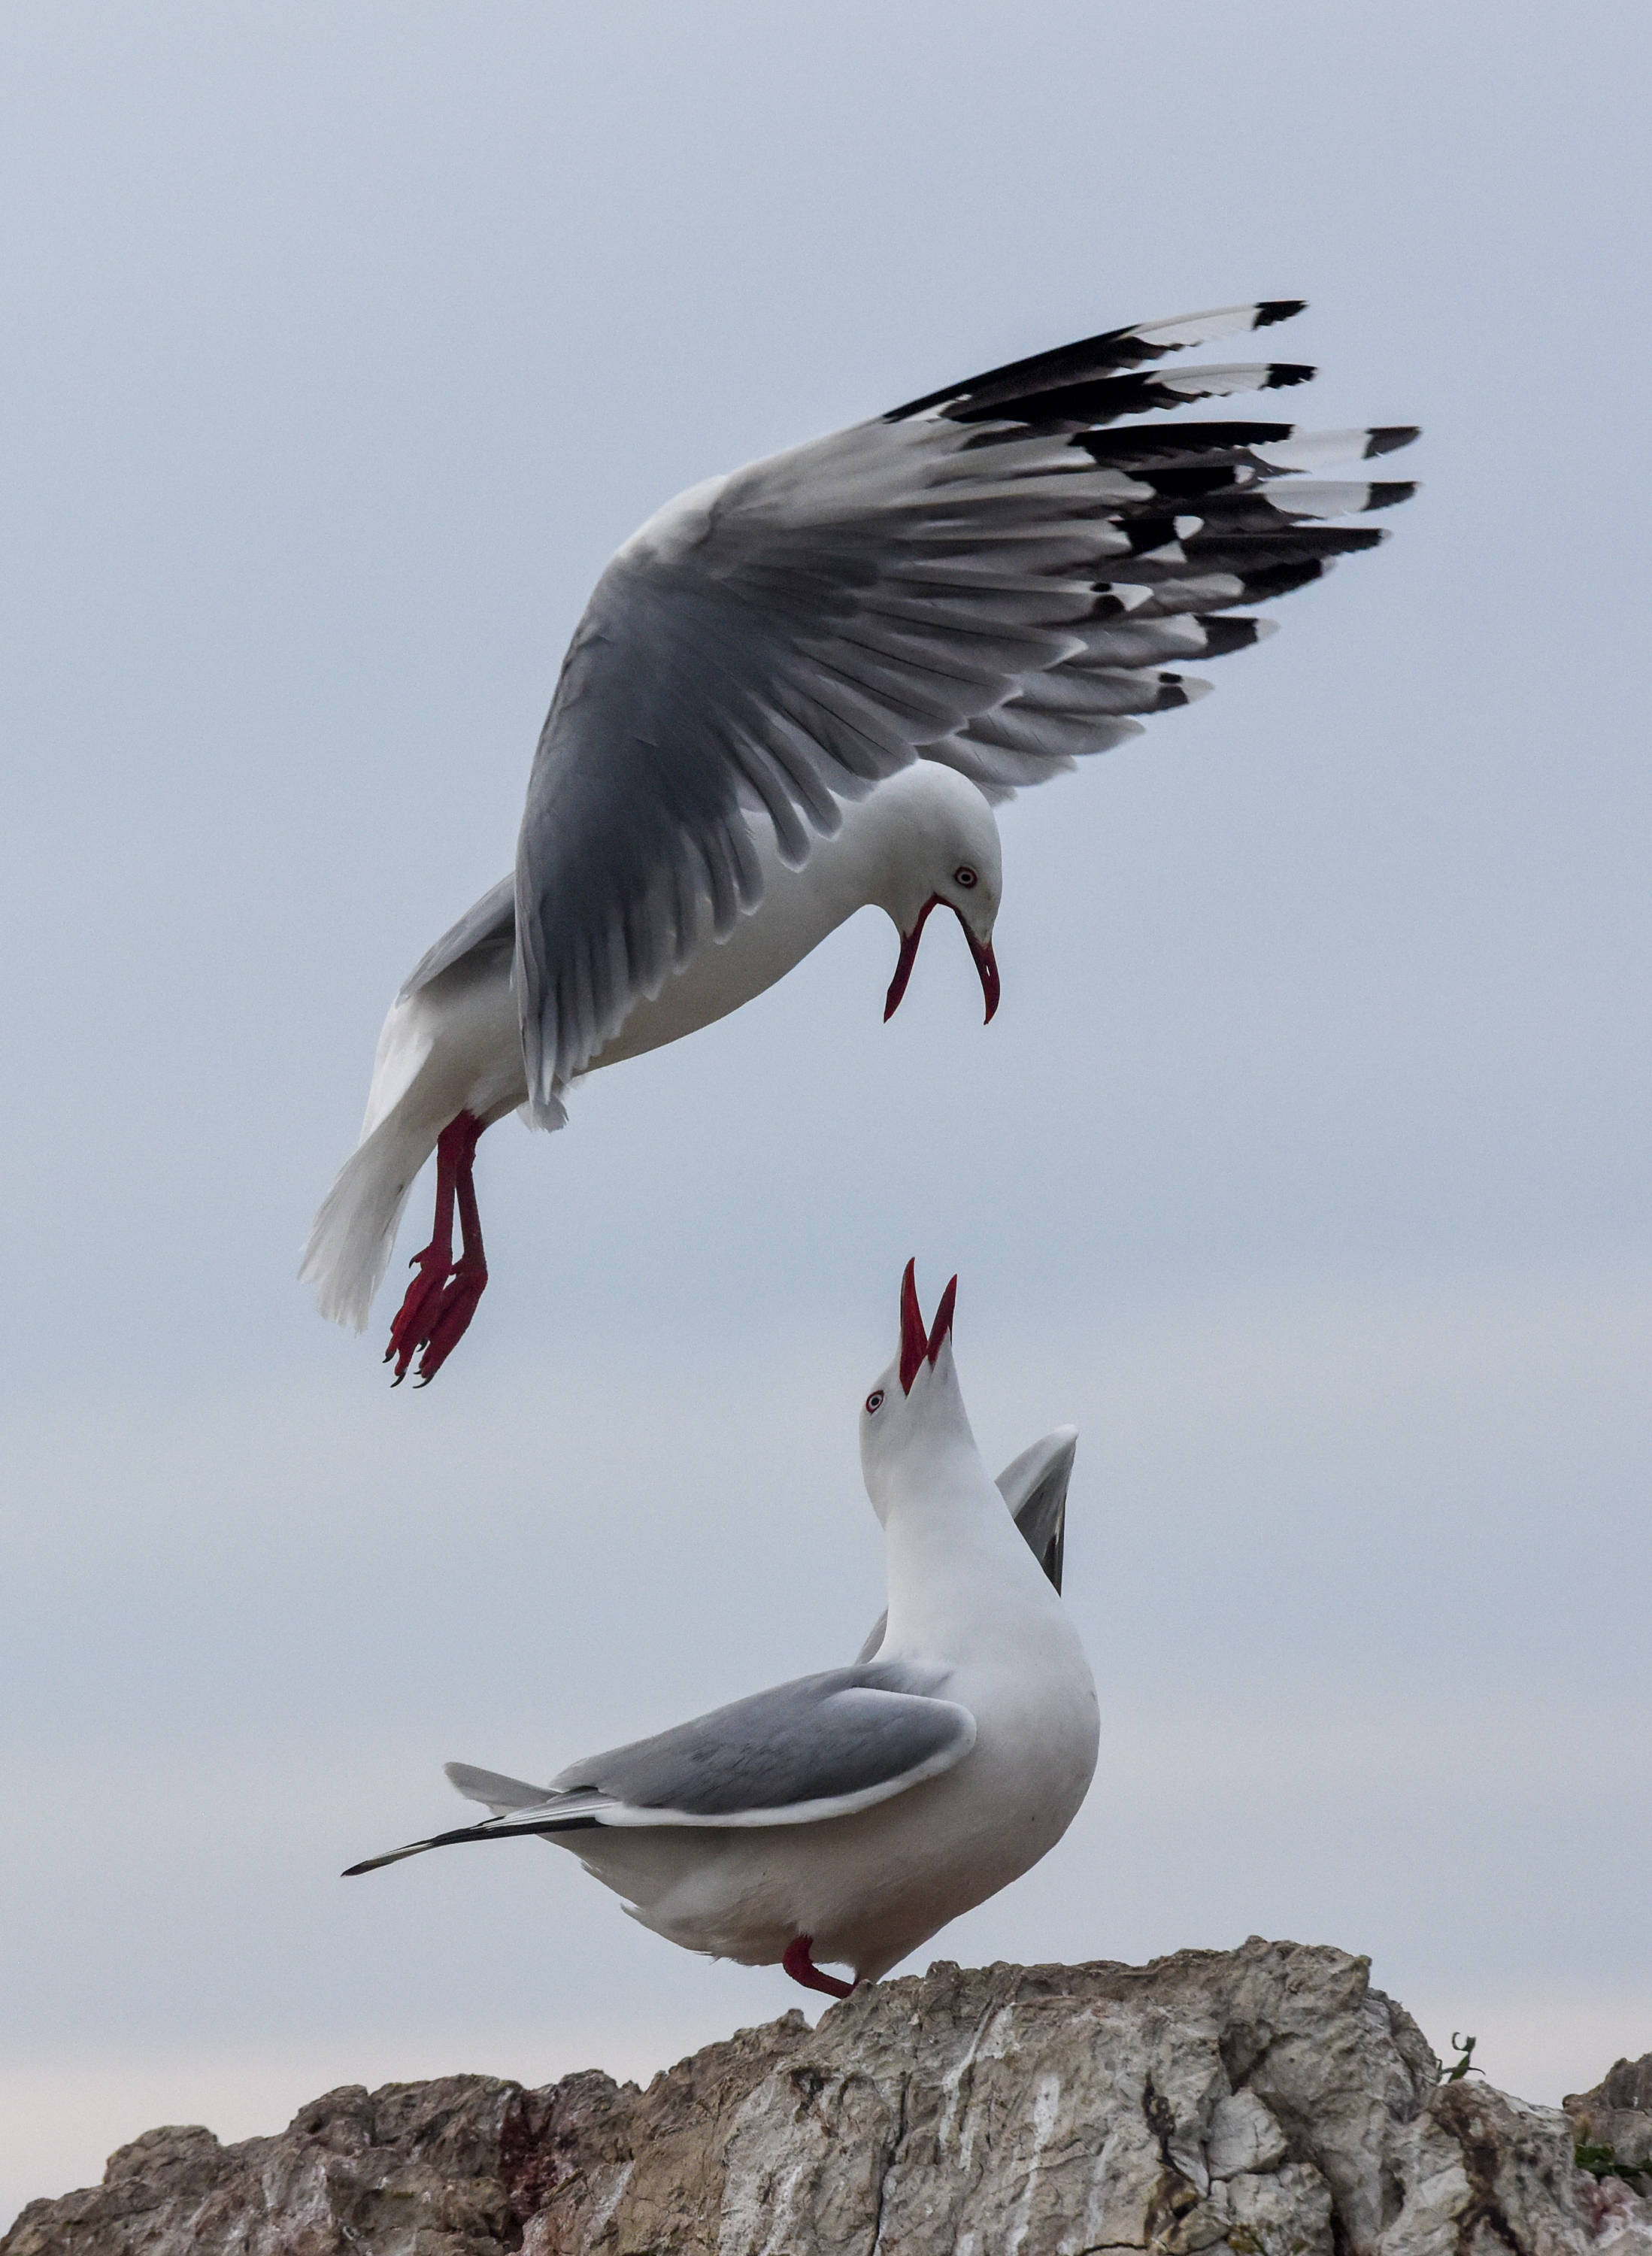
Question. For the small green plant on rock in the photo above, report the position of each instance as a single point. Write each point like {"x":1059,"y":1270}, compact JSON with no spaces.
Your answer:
{"x":1464,"y":2047}
{"x":1601,"y":2161}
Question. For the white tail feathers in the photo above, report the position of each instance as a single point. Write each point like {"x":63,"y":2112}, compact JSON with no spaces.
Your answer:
{"x":352,"y":1237}
{"x":491,"y":1788}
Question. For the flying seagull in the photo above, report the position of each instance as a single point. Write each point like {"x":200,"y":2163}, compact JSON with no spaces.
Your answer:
{"x":754,"y":719}
{"x":845,"y":1817}
{"x":450,"y":1060}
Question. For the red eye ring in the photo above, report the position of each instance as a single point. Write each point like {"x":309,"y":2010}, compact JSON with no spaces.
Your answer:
{"x":874,"y":1402}
{"x":965,"y":876}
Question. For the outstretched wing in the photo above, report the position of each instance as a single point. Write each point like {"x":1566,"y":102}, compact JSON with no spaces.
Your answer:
{"x":821,"y":1746}
{"x":1034,"y":1487}
{"x":986,"y":576}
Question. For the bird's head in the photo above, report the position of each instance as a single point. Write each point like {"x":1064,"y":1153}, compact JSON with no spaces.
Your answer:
{"x":915,"y":1408}
{"x":942,"y":851}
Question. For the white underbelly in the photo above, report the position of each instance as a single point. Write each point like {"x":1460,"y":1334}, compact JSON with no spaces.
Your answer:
{"x":453,"y":1047}
{"x":456,"y":1046}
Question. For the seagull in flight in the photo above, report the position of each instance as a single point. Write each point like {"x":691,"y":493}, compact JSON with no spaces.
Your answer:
{"x":797,"y":692}
{"x":845,"y":1817}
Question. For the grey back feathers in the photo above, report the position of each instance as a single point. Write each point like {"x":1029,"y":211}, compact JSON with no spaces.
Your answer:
{"x":820,"y":1747}
{"x":830,"y":1738}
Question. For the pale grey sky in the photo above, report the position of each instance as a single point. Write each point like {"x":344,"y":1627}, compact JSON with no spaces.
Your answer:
{"x":1304,"y":1165}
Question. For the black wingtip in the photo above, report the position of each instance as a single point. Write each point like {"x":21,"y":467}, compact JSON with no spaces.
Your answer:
{"x":1390,"y":437}
{"x":1260,"y":587}
{"x":1278,"y":309}
{"x":1224,"y":634}
{"x":1283,"y":373}
{"x":1389,"y":492}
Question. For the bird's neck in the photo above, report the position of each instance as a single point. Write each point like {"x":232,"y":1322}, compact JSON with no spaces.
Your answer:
{"x":861,"y":867}
{"x":955,"y":1558}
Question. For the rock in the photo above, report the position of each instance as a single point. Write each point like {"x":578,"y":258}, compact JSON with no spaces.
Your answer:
{"x":1617,"y":2113}
{"x":1613,"y":2126}
{"x":1265,"y":2101}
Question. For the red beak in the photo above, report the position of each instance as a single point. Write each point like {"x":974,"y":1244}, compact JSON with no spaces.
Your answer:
{"x":906,"y":958}
{"x":917,"y":1346}
{"x":986,"y":962}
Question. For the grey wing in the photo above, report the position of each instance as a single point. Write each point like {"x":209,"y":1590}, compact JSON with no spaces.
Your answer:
{"x":821,"y":1746}
{"x":986,"y":577}
{"x":487,"y":927}
{"x":1034,"y":1487}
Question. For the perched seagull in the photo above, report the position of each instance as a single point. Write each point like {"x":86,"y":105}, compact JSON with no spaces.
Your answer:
{"x":765,"y":715}
{"x":847,"y":1816}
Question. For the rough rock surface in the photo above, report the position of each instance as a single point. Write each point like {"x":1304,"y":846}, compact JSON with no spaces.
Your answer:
{"x":1617,"y":2114}
{"x":1265,"y":2101}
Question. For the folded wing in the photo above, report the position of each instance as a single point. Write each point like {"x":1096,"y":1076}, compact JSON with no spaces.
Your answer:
{"x":821,"y":1746}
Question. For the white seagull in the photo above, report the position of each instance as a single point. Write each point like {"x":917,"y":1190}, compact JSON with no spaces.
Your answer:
{"x":792,"y":696}
{"x":450,"y":1060}
{"x":847,"y":1816}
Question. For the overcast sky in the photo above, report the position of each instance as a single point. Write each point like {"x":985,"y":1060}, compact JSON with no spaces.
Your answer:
{"x":1305,"y":1165}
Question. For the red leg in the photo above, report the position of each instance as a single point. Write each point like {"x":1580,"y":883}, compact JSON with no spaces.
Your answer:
{"x":801,"y":1968}
{"x":428,"y":1296}
{"x":469,"y":1281}
{"x":434,"y":1263}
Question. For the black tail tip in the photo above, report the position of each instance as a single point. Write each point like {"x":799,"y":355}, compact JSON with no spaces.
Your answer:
{"x":1278,"y":309}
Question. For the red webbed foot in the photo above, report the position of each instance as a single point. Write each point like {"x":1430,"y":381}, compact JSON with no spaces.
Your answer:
{"x":452,"y":1317}
{"x":417,"y":1312}
{"x":799,"y":1964}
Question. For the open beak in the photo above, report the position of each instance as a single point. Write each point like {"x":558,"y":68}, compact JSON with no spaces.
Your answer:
{"x":919,"y":1346}
{"x":986,"y":962}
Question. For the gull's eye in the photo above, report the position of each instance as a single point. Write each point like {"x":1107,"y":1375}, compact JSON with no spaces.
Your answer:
{"x":965,"y":876}
{"x":874,"y":1400}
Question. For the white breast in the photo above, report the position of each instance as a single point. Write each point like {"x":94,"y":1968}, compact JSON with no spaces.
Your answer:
{"x":799,"y":908}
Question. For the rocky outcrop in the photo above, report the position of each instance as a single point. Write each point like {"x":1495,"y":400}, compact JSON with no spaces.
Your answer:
{"x":1613,"y":2123}
{"x":1265,"y":2101}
